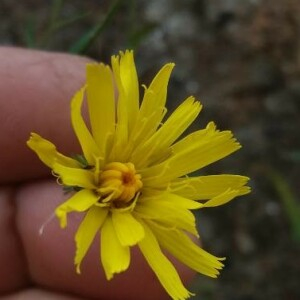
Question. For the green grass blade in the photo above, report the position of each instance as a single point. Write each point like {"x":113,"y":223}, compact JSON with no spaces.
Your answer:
{"x":138,"y":36}
{"x":83,"y":44}
{"x":30,"y":33}
{"x":65,"y":23}
{"x":290,"y":204}
{"x":55,"y":10}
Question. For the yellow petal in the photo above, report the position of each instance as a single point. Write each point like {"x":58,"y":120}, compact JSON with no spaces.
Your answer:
{"x":206,"y":187}
{"x":155,"y":96}
{"x":128,"y":230}
{"x":183,"y":202}
{"x":115,"y":257}
{"x":101,"y":103}
{"x":181,"y":247}
{"x":47,"y":153}
{"x":142,"y":131}
{"x":173,"y":198}
{"x":189,"y":157}
{"x":81,"y":201}
{"x":74,"y":176}
{"x":225,"y":197}
{"x":167,"y":212}
{"x":129,"y":79}
{"x":199,"y":136}
{"x":86,"y":232}
{"x":178,"y":122}
{"x":154,"y":148}
{"x":152,"y":108}
{"x":88,"y":144}
{"x":162,"y":267}
{"x":121,"y":133}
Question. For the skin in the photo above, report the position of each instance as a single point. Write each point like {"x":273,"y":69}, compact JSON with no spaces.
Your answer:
{"x":36,"y":88}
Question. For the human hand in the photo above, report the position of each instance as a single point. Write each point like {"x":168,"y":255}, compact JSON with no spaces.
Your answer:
{"x":36,"y":88}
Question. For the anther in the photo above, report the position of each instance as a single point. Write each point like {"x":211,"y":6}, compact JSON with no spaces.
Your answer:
{"x":119,"y":182}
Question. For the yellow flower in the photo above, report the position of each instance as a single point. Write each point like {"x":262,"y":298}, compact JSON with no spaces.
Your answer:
{"x":132,"y":178}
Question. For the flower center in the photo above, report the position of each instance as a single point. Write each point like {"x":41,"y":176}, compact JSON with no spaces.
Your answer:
{"x":119,"y":182}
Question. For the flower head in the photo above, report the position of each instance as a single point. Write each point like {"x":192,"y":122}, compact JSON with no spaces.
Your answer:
{"x":132,"y":178}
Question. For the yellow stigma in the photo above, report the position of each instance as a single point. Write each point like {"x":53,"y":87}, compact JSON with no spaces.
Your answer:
{"x":119,"y":182}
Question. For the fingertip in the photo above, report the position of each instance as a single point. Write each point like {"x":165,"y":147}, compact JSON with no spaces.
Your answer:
{"x":13,"y":271}
{"x":36,"y":88}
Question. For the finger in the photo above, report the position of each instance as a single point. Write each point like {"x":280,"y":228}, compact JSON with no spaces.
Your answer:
{"x":50,"y":256}
{"x":38,"y":294}
{"x":12,"y":261}
{"x":36,"y":88}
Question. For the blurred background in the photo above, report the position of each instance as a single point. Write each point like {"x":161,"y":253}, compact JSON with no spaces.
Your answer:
{"x":242,"y":60}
